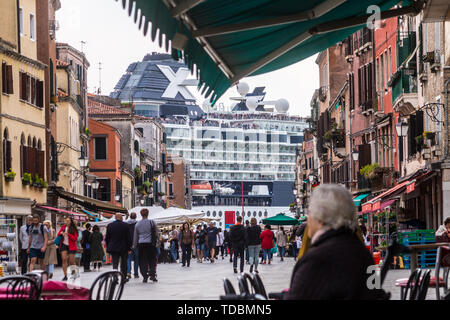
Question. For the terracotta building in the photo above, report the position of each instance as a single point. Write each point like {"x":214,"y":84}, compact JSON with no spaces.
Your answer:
{"x":105,"y":160}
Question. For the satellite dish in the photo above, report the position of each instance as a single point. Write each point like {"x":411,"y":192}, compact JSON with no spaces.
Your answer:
{"x":252,"y":103}
{"x":282,"y":106}
{"x":243,"y":88}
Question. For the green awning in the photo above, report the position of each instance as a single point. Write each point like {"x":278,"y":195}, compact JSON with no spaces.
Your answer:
{"x":280,"y":220}
{"x":230,"y":39}
{"x":358,"y":199}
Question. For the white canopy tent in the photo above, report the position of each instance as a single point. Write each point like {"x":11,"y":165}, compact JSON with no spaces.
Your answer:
{"x":161,"y":216}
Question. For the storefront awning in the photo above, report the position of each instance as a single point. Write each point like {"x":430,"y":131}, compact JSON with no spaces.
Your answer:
{"x":77,"y":216}
{"x":230,"y":40}
{"x":357,"y":200}
{"x":89,"y":203}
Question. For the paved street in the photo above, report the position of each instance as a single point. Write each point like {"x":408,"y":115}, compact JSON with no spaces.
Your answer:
{"x":204,"y":281}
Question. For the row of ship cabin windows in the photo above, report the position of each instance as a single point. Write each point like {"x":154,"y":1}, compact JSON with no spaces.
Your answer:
{"x":249,"y":214}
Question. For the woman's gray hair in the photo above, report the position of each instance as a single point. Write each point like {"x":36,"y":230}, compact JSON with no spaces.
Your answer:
{"x":333,"y":205}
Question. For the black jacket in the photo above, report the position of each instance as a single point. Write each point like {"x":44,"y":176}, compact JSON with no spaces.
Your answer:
{"x":117,"y":237}
{"x":334,"y":268}
{"x":253,"y":233}
{"x":238,"y":236}
{"x":85,"y":238}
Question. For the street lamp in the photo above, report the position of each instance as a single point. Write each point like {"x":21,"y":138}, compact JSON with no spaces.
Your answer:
{"x":142,"y":202}
{"x":95,"y":184}
{"x":84,"y":162}
{"x":355,"y":155}
{"x":402,"y":131}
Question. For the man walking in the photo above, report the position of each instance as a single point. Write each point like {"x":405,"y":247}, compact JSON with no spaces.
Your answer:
{"x":37,"y":243}
{"x":86,"y":245}
{"x":133,"y":256}
{"x":247,"y":225}
{"x":238,"y":242}
{"x":144,"y":239}
{"x":24,"y":235}
{"x":211,"y":232}
{"x":118,"y":243}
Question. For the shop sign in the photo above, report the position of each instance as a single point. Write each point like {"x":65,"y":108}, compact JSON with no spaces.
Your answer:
{"x":366,"y":207}
{"x":411,"y":187}
{"x":376,"y":205}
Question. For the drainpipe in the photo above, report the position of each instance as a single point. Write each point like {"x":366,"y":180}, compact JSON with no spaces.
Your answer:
{"x":19,"y":50}
{"x":446,"y":157}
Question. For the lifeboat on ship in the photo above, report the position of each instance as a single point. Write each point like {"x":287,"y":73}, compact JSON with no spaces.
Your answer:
{"x":201,"y":189}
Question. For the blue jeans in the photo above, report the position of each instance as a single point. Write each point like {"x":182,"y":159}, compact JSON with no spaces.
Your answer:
{"x":295,"y":250}
{"x":266,"y":254}
{"x":133,"y":256}
{"x":173,"y":251}
{"x":281,"y":250}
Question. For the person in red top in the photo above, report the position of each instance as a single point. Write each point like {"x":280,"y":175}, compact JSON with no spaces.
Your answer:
{"x":68,"y":245}
{"x":267,"y":237}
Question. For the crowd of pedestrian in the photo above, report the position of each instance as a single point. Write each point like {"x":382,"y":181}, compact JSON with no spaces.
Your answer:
{"x":137,"y":247}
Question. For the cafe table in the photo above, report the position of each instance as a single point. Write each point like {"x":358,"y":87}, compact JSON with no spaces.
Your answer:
{"x":415,"y":249}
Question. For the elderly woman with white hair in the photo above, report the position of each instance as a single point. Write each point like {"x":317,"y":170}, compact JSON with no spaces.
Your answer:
{"x":335,"y":266}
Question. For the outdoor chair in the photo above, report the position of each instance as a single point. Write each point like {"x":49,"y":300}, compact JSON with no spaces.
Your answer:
{"x":405,"y":284}
{"x":39,"y":276}
{"x":244,"y":281}
{"x":18,"y":288}
{"x":442,"y":262}
{"x":228,"y":287}
{"x":108,"y":286}
{"x":423,"y":287}
{"x":259,"y":286}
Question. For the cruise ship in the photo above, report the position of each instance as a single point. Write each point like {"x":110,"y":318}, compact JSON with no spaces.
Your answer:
{"x":241,"y":157}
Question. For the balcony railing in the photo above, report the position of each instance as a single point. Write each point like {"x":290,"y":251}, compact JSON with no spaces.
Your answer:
{"x":404,"y":81}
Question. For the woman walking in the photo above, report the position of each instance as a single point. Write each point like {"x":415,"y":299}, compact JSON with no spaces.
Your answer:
{"x":68,"y":246}
{"x":50,"y":258}
{"x":97,"y":250}
{"x":281,"y":242}
{"x":220,"y":243}
{"x":187,"y":242}
{"x":254,"y":244}
{"x":267,"y":237}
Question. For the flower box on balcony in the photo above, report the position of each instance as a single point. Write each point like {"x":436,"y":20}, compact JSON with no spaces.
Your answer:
{"x":10,"y":176}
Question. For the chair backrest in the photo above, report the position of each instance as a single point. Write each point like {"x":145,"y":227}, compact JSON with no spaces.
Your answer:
{"x":39,"y":277}
{"x":108,"y":286}
{"x":244,"y":282}
{"x":442,"y":262}
{"x":259,"y":286}
{"x":19,"y":288}
{"x":228,"y":287}
{"x":424,"y":283}
{"x":410,"y":283}
{"x":415,"y":285}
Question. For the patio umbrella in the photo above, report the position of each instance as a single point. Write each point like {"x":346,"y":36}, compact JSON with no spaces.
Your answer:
{"x":229,"y":40}
{"x":281,"y":220}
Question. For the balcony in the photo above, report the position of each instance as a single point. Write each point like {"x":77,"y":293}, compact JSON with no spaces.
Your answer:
{"x":404,"y":80}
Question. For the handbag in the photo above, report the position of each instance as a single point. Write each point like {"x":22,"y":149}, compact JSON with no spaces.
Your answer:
{"x":58,"y":240}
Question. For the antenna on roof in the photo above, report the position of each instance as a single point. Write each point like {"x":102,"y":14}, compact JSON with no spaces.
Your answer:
{"x":82,"y":46}
{"x":99,"y":78}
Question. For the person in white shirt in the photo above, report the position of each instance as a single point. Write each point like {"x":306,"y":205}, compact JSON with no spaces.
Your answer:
{"x":24,"y":235}
{"x":219,"y":243}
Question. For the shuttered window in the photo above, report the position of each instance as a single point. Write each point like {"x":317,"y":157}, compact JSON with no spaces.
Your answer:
{"x":7,"y":161}
{"x":31,"y":90}
{"x":7,"y":79}
{"x":100,"y":148}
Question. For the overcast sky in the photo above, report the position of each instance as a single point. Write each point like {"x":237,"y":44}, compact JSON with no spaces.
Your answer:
{"x":112,"y":38}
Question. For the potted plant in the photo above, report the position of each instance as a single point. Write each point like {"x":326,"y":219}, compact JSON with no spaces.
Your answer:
{"x":141,"y":190}
{"x":327,"y":135}
{"x":27,"y":179}
{"x":419,"y":140}
{"x":137,"y":172}
{"x":35,"y":181}
{"x":10,"y":175}
{"x":147,"y":184}
{"x":161,"y":194}
{"x":54,"y":99}
{"x":87,"y":132}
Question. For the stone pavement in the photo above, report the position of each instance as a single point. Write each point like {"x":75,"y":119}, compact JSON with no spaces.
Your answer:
{"x":203,"y":281}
